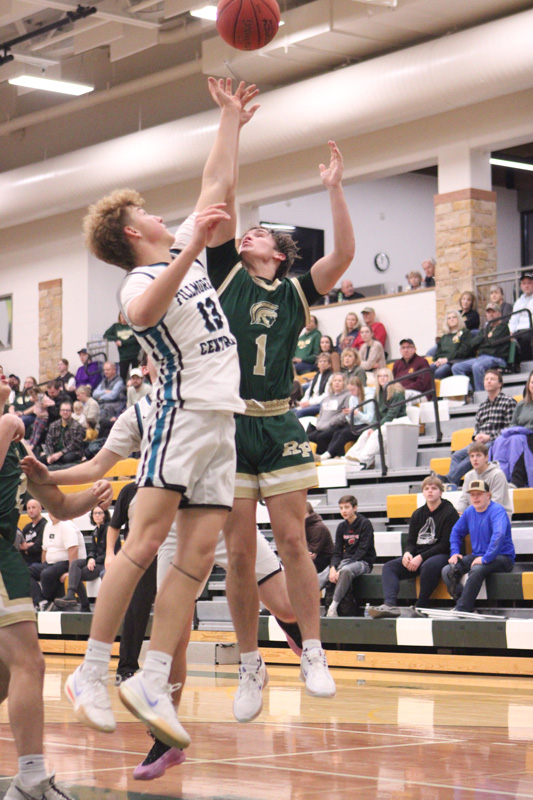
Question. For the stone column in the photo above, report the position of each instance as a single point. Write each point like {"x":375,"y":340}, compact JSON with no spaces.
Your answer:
{"x":465,"y":226}
{"x":50,"y":328}
{"x":465,"y":233}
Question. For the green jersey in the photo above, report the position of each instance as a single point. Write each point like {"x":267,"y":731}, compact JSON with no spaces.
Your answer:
{"x":12,"y":486}
{"x":266,"y":318}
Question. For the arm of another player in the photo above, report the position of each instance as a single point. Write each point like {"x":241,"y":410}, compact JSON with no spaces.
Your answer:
{"x":328,"y":270}
{"x":87,"y":472}
{"x":68,"y":506}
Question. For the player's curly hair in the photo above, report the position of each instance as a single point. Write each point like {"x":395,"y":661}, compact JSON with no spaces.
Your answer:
{"x":103,"y":228}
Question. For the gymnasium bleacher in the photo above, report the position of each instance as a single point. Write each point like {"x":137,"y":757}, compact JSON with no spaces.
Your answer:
{"x":501,"y":644}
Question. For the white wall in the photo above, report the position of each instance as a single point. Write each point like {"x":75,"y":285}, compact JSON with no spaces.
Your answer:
{"x":412,"y":314}
{"x":104,"y":281}
{"x":29,"y":255}
{"x":393,"y":215}
{"x":508,"y":230}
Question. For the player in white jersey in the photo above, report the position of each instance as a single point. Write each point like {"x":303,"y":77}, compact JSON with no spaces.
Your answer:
{"x":125,"y":437}
{"x":189,"y":340}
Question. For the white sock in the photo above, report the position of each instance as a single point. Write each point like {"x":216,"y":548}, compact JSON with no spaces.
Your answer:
{"x":333,"y":606}
{"x":32,"y":769}
{"x":311,"y":644}
{"x":157,"y":665}
{"x":326,"y":455}
{"x":251,"y":659}
{"x":98,"y":654}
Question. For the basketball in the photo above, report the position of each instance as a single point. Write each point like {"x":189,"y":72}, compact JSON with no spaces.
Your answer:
{"x":247,"y":24}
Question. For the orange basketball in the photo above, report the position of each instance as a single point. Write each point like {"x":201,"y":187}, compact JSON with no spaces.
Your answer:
{"x":247,"y":24}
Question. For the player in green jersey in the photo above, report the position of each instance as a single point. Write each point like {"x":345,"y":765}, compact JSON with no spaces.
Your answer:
{"x":21,"y":660}
{"x":266,"y":312}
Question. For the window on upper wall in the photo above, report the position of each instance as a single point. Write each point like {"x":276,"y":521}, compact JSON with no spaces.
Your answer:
{"x":6,"y":322}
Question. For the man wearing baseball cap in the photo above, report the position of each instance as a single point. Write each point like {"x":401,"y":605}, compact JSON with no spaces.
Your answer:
{"x":519,"y":323}
{"x":489,"y":528}
{"x":378,"y":329}
{"x":89,"y":373}
{"x":492,"y":348}
{"x":408,"y":363}
{"x":138,"y":387}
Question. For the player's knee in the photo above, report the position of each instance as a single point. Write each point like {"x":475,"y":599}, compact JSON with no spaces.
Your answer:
{"x":292,"y":545}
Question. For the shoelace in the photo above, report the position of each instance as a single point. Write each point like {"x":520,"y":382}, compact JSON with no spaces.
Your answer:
{"x":247,"y":679}
{"x":58,"y":792}
{"x":99,"y":687}
{"x":315,"y":659}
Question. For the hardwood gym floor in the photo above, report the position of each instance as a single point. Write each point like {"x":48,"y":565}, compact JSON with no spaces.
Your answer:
{"x":385,"y":735}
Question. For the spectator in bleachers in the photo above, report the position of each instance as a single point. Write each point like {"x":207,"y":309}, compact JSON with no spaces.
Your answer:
{"x":138,"y":389}
{"x":318,"y":537}
{"x":68,"y":381}
{"x":351,"y":365}
{"x":78,"y":415}
{"x":408,"y":363}
{"x":89,"y":372}
{"x":344,"y":293}
{"x":429,"y":270}
{"x":91,"y":409}
{"x":354,"y":552}
{"x":31,"y":547}
{"x":371,"y":353}
{"x":89,"y":568}
{"x":455,"y":345}
{"x":378,"y":329}
{"x":307,"y":348}
{"x":491,"y":346}
{"x":493,"y":415}
{"x":349,"y":333}
{"x":63,"y":543}
{"x":331,"y":416}
{"x":468,"y":310}
{"x":519,"y":324}
{"x":127,"y":344}
{"x":414,"y":281}
{"x":489,"y":471}
{"x":497,"y":296}
{"x":488,"y":526}
{"x":37,"y":416}
{"x":14,"y":382}
{"x":21,"y":400}
{"x":362,"y":417}
{"x":514,"y":446}
{"x":426,"y":553}
{"x":64,"y":441}
{"x":110,"y":395}
{"x":327,"y":346}
{"x":309,"y":405}
{"x":54,"y":390}
{"x":391,"y":404}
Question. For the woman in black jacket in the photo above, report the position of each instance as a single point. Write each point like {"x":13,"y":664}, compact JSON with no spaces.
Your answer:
{"x":90,"y":568}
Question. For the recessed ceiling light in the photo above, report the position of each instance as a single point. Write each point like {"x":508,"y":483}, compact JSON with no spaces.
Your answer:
{"x":48,"y":85}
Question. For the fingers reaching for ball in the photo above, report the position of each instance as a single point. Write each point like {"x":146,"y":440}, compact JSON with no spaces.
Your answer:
{"x":221,"y":91}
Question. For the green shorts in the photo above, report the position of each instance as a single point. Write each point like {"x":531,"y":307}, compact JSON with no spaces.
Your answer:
{"x":15,"y":601}
{"x":273,"y":456}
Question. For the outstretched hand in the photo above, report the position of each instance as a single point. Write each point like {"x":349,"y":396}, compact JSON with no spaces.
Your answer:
{"x":332,"y":174}
{"x":223,"y":95}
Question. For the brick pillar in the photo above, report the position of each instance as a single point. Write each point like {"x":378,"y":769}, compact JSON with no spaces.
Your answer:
{"x":465,"y":231}
{"x":50,"y":328}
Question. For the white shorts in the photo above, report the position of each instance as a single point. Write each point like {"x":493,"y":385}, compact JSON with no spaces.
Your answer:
{"x":266,"y":562}
{"x":190,"y":452}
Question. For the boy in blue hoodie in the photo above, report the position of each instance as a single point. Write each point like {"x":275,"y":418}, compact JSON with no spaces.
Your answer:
{"x":492,"y":546}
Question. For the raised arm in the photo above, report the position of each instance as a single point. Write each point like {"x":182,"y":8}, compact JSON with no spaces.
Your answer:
{"x":219,"y":179}
{"x":328,"y":270}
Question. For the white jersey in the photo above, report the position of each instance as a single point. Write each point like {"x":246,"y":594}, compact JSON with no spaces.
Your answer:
{"x":192,"y":345}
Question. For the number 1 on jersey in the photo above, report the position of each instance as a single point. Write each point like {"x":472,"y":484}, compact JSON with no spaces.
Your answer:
{"x":261,"y":342}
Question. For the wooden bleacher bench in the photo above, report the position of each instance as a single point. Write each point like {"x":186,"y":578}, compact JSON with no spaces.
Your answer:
{"x":126,"y":468}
